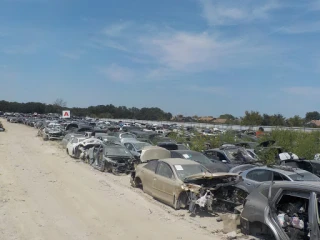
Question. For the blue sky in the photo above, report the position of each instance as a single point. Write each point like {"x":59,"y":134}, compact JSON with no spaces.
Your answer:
{"x":202,"y":57}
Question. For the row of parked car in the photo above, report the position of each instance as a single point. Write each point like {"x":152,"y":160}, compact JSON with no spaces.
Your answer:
{"x":279,"y":201}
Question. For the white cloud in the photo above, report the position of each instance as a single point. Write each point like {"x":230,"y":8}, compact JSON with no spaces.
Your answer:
{"x":193,"y":52}
{"x":302,"y":90}
{"x":229,"y":12}
{"x":116,"y":29}
{"x":117,"y":73}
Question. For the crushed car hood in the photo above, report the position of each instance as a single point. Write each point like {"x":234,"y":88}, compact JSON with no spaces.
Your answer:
{"x":210,"y":176}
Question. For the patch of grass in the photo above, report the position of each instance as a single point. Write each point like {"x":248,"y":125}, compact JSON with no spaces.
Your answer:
{"x":304,"y":144}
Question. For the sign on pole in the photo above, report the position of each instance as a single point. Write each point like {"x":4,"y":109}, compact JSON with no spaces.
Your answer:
{"x":66,"y":114}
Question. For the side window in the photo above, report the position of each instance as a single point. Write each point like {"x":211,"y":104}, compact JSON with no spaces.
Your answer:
{"x":221,"y":156}
{"x":175,"y":155}
{"x":279,"y":177}
{"x":152,"y":165}
{"x":259,"y":175}
{"x":210,"y":154}
{"x":164,"y":170}
{"x":129,"y":146}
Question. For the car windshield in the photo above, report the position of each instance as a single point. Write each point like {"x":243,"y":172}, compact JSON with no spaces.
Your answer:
{"x":182,"y":147}
{"x":196,"y":156}
{"x":187,"y":170}
{"x":109,"y":139}
{"x":306,"y":176}
{"x":233,"y":152}
{"x":127,"y":135}
{"x":141,"y":145}
{"x":117,"y":151}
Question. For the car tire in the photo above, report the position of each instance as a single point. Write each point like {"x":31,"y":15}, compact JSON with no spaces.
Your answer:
{"x":101,"y":165}
{"x":176,"y":203}
{"x":136,"y":183}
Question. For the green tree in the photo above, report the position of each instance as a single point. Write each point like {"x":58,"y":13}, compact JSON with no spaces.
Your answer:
{"x":295,"y":121}
{"x":277,"y":120}
{"x":252,"y":118}
{"x":312,"y":116}
{"x":227,"y":116}
{"x":266,"y":120}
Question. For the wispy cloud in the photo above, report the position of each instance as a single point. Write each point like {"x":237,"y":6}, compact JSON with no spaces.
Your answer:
{"x":117,"y":73}
{"x":234,"y":12}
{"x":302,"y":90}
{"x":116,"y":29}
{"x":166,"y":52}
{"x":194,"y":52}
{"x":302,"y":27}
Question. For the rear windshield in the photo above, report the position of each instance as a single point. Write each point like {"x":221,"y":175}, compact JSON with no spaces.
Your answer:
{"x":307,"y":176}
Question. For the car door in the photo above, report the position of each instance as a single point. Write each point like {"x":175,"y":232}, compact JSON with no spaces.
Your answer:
{"x":147,"y":174}
{"x":313,"y":215}
{"x":163,"y":183}
{"x":254,"y":178}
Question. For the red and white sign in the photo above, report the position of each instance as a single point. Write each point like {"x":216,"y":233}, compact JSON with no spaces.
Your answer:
{"x":66,"y":114}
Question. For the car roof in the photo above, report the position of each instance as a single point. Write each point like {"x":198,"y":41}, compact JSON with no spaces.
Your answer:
{"x":298,"y":185}
{"x":184,"y":151}
{"x":214,"y":149}
{"x":179,"y":161}
{"x":130,"y":140}
{"x":282,"y":171}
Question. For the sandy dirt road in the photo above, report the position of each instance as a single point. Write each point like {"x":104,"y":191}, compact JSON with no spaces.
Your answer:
{"x":46,"y":195}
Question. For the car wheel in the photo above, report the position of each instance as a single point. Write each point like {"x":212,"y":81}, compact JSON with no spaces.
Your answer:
{"x":99,"y":163}
{"x":136,"y":183}
{"x":176,"y":203}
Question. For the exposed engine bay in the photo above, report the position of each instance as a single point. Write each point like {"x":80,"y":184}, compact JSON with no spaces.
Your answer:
{"x":218,"y":194}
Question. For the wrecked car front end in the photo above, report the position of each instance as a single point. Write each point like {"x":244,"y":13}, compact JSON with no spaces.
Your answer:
{"x":118,"y":159}
{"x":119,"y":164}
{"x":209,"y":191}
{"x":81,"y":150}
{"x":52,"y":133}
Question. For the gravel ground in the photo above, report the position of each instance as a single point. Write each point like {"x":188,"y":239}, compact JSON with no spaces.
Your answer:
{"x":45,"y":194}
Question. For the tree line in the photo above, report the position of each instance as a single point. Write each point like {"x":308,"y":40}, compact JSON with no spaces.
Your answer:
{"x":254,"y":118}
{"x":100,"y":111}
{"x":250,"y":118}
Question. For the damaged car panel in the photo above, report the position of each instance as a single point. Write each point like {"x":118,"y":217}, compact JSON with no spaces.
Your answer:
{"x":182,"y":183}
{"x":255,"y":176}
{"x":283,"y":211}
{"x":52,"y":132}
{"x":113,"y":157}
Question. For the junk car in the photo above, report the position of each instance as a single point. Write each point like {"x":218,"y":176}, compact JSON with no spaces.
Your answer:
{"x":283,"y":210}
{"x":182,"y":183}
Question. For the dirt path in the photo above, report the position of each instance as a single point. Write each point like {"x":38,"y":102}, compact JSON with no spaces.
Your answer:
{"x":45,"y":194}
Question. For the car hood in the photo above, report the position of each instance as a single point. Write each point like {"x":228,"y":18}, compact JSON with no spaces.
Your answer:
{"x":211,"y":176}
